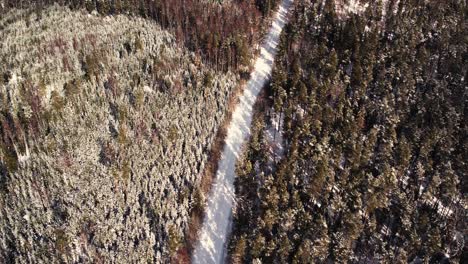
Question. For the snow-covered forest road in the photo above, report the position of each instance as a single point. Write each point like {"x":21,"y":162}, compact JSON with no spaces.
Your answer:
{"x":210,"y":247}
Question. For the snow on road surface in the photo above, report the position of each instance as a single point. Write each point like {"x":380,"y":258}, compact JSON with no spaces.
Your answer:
{"x":210,"y":247}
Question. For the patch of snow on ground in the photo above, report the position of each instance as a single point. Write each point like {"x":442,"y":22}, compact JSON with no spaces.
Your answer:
{"x":274,"y":137}
{"x":440,"y":207}
{"x":218,"y":216}
{"x":351,"y":7}
{"x":147,"y":89}
{"x":15,"y":79}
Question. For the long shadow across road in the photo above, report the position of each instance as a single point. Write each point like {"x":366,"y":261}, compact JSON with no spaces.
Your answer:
{"x":211,"y":244}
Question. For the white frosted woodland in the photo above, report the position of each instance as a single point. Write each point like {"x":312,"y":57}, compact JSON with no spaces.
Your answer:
{"x":115,"y":166}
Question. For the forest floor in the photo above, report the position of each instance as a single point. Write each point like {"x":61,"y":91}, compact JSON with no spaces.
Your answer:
{"x":274,"y":138}
{"x":210,"y":247}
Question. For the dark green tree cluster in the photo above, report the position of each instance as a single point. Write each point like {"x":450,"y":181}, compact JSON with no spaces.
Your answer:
{"x":375,"y":131}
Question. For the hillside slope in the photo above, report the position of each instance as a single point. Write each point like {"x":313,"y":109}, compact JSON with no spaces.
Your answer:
{"x":105,"y":126}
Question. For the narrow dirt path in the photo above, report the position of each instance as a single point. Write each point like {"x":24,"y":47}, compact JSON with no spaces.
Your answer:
{"x":217,"y":222}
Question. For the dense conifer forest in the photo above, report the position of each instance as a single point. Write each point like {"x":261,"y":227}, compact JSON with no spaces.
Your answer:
{"x":370,"y":108}
{"x":213,"y":29}
{"x":113,"y":115}
{"x":107,"y":122}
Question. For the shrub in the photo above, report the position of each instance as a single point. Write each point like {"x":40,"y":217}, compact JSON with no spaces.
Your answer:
{"x":72,"y":88}
{"x":10,"y":159}
{"x":6,"y":77}
{"x":173,"y":134}
{"x":122,"y":136}
{"x":126,"y":171}
{"x":138,"y":44}
{"x":57,"y":101}
{"x":91,"y":66}
{"x":175,"y":240}
{"x":61,"y":241}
